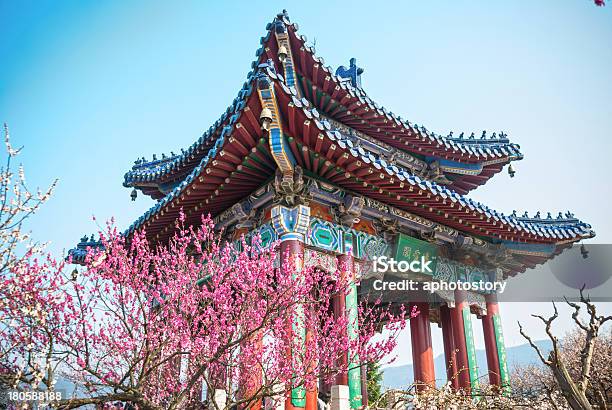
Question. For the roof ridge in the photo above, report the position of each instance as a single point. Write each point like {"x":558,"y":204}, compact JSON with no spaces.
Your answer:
{"x":219,"y":142}
{"x":148,"y":171}
{"x":359,"y":92}
{"x":531,"y":225}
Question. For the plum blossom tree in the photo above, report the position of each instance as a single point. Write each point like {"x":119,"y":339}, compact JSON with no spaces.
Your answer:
{"x":21,"y":294}
{"x":486,"y":397}
{"x":536,"y":380}
{"x":577,"y":367}
{"x":153,"y":324}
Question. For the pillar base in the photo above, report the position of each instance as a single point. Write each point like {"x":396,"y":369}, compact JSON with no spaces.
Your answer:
{"x":339,"y":397}
{"x":219,"y":398}
{"x":277,"y":401}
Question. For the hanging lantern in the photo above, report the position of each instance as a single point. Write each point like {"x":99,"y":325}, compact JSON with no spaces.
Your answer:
{"x":511,"y":171}
{"x":282,"y":54}
{"x":584,"y":251}
{"x":75,"y":274}
{"x":265,"y":118}
{"x":134,"y":194}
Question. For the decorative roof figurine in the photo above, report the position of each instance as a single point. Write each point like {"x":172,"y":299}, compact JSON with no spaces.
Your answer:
{"x":353,"y":73}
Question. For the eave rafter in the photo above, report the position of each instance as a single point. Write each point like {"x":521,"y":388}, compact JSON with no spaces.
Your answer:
{"x":325,"y":152}
{"x":239,"y":158}
{"x":303,"y":70}
{"x":350,"y":105}
{"x":238,"y":163}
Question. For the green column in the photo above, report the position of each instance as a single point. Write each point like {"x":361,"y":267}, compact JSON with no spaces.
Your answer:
{"x":354,"y":373}
{"x":352,"y":315}
{"x":298,"y":394}
{"x":469,"y":345}
{"x":501,"y":353}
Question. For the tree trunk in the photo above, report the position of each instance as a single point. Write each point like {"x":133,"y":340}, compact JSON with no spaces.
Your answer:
{"x":574,"y":396}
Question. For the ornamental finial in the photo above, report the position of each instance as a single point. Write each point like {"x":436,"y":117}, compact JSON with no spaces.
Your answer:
{"x":283,"y":14}
{"x":353,"y":73}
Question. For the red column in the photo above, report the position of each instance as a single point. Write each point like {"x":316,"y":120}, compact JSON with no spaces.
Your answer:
{"x":449,"y":346}
{"x":251,"y":374}
{"x":312,"y":392}
{"x":346,"y":266}
{"x":490,"y":342}
{"x":422,"y":352}
{"x":311,"y":399}
{"x":292,"y":258}
{"x":461,"y":356}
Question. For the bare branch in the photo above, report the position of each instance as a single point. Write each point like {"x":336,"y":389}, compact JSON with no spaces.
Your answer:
{"x":533,"y":345}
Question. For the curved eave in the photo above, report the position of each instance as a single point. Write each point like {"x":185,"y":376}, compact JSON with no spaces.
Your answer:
{"x":238,"y":162}
{"x":153,"y":178}
{"x":158,"y":178}
{"x":524,"y":262}
{"x":328,"y":154}
{"x":353,"y":107}
{"x":78,"y":255}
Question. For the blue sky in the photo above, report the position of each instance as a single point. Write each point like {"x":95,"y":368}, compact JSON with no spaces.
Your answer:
{"x":89,"y":86}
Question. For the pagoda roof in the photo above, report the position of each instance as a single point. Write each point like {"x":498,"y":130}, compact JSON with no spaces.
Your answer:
{"x":233,"y":159}
{"x":350,"y":104}
{"x":398,"y":187}
{"x":401,"y":188}
{"x":159,"y":177}
{"x":465,"y":163}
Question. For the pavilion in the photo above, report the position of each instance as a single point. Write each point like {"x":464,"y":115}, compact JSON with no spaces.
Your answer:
{"x":303,"y":155}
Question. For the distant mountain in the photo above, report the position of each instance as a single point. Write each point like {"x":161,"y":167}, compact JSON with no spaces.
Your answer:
{"x":402,"y":376}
